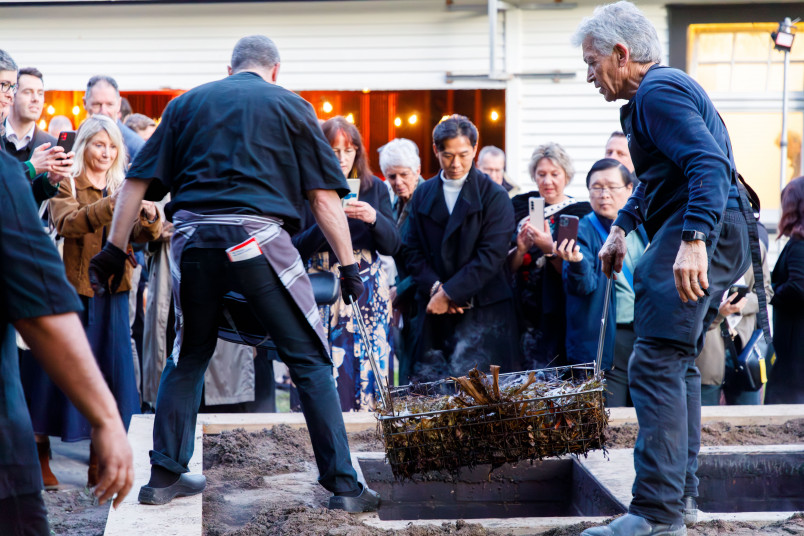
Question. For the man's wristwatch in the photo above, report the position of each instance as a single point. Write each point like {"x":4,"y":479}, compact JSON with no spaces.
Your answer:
{"x":434,"y":288}
{"x":691,"y":236}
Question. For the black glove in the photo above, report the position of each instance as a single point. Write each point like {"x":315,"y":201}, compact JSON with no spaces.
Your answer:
{"x":351,"y":284}
{"x":109,"y":263}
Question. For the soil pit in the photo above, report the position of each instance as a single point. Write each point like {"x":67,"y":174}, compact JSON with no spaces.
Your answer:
{"x":756,"y":482}
{"x":547,"y":488}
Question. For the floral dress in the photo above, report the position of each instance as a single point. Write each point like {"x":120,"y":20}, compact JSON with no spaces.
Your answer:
{"x":357,"y":386}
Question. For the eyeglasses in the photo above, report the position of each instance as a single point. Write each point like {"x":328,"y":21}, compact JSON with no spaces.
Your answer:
{"x":597,"y":191}
{"x":5,"y":87}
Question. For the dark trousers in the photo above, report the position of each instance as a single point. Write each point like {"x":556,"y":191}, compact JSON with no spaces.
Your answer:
{"x":24,"y":515}
{"x":206,"y":276}
{"x":617,"y":394}
{"x":664,"y":382}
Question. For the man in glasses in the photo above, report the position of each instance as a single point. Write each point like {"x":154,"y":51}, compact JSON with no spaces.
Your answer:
{"x":46,"y":165}
{"x":610,"y":184}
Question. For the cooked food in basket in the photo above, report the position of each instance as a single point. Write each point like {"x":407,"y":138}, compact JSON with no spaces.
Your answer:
{"x":493,"y":419}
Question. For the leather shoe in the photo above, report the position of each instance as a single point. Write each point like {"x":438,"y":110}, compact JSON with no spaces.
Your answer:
{"x":185,"y":486}
{"x":690,"y":510}
{"x":367,"y":501}
{"x":631,"y":525}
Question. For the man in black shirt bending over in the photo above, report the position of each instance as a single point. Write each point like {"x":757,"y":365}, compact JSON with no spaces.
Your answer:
{"x":238,"y":157}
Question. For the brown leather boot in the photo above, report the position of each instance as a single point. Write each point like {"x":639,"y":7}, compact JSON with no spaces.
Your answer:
{"x":49,"y":479}
{"x":92,"y":472}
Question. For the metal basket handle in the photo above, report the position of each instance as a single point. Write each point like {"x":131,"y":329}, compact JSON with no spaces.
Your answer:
{"x":603,"y":322}
{"x":361,"y":326}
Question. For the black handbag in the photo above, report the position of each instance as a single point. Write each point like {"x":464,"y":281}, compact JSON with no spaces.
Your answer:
{"x":237,"y":323}
{"x":745,"y":370}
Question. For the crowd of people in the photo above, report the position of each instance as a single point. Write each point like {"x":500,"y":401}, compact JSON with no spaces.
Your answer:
{"x":155,"y":224}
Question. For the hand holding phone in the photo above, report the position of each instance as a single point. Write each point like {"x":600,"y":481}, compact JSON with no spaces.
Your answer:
{"x":740,"y":290}
{"x":354,"y":191}
{"x":536,"y":211}
{"x":567,"y":228}
{"x":66,"y":140}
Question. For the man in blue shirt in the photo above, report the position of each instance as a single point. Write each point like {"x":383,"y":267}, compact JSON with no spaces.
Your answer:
{"x":689,"y":204}
{"x":37,"y":300}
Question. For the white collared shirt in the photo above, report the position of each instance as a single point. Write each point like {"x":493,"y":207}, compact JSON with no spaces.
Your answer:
{"x":452,"y":189}
{"x":19,"y":143}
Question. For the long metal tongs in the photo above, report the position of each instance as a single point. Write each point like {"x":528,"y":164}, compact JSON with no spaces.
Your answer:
{"x":361,"y":326}
{"x":603,"y":322}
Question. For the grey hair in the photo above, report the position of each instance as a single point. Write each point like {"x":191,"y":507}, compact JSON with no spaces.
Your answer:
{"x":556,"y":154}
{"x":98,"y":78}
{"x":621,"y":23}
{"x":254,"y":51}
{"x":6,"y":62}
{"x":490,"y":150}
{"x":399,"y":152}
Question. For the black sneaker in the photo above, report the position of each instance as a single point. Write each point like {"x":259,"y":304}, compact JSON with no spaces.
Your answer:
{"x":367,"y":501}
{"x":185,"y":486}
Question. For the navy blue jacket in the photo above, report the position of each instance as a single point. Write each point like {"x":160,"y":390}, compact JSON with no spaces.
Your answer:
{"x":679,"y":147}
{"x":465,"y":250}
{"x":585,"y":289}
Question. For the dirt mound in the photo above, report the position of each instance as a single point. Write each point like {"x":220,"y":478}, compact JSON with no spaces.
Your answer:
{"x":279,"y":450}
{"x":721,"y":433}
{"x":791,"y":525}
{"x":303,"y":521}
{"x":366,"y":441}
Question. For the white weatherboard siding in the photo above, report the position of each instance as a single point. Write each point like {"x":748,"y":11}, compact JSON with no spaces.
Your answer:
{"x":379,"y":45}
{"x":327,"y":45}
{"x":570,"y":112}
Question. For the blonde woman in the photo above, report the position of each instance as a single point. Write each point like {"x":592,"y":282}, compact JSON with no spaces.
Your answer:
{"x":82,"y":211}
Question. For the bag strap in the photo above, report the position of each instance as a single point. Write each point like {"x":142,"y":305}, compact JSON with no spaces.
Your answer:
{"x":228,"y":316}
{"x":749,"y":206}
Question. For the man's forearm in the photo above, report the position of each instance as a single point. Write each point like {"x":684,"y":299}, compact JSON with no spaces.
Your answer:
{"x":127,"y":210}
{"x":328,"y":212}
{"x":59,"y":343}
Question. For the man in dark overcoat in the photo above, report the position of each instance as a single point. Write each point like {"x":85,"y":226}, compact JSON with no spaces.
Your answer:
{"x":459,"y":226}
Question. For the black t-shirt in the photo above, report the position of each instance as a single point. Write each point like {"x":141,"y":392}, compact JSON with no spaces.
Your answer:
{"x":239,"y":146}
{"x":32,"y":284}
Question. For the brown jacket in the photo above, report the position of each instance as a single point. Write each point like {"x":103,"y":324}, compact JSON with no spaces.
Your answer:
{"x":81,"y":221}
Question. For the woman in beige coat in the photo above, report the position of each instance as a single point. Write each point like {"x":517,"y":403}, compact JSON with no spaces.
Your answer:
{"x":82,"y":212}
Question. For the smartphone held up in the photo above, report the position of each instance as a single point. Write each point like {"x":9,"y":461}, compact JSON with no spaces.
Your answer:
{"x":567,"y":228}
{"x":536,"y":212}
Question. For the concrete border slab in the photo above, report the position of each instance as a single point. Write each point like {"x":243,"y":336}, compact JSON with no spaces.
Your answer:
{"x":180,"y":517}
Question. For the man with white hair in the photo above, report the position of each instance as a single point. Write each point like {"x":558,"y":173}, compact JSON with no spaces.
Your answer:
{"x":698,"y":222}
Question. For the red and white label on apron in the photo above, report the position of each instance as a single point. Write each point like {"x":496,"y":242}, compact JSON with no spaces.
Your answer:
{"x":244,"y":250}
